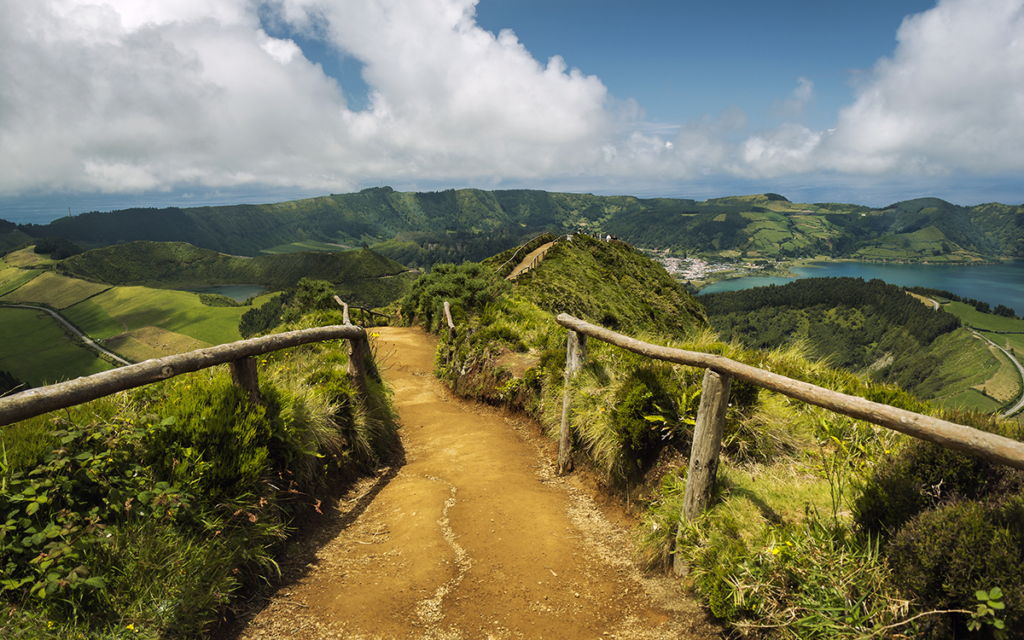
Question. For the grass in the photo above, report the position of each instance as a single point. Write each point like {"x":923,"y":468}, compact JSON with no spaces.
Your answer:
{"x":305,"y":245}
{"x":26,"y":257}
{"x":58,"y":292}
{"x":124,"y":309}
{"x":985,"y":321}
{"x":12,"y":278}
{"x":153,"y":342}
{"x":40,"y":352}
{"x":164,"y":547}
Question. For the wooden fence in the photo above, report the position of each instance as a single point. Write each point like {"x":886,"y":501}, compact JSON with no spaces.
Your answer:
{"x":239,"y":355}
{"x":719,"y":373}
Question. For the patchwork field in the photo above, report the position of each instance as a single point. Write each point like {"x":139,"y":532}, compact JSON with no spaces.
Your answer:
{"x":306,"y":245}
{"x":124,"y":309}
{"x":152,"y":342}
{"x":55,"y":291}
{"x":11,"y":278}
{"x":36,"y":350}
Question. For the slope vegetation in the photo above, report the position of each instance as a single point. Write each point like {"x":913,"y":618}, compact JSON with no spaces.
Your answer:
{"x":168,"y":264}
{"x":454,"y":225}
{"x":818,"y":522}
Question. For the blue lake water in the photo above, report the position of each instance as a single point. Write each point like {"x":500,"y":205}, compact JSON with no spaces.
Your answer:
{"x":991,"y":283}
{"x":237,"y":292}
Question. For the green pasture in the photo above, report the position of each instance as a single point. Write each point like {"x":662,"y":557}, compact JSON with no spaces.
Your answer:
{"x":129,"y":308}
{"x":984,"y":321}
{"x":305,"y":245}
{"x":971,"y":399}
{"x":26,"y":257}
{"x":11,"y":278}
{"x":36,"y":350}
{"x":55,"y":291}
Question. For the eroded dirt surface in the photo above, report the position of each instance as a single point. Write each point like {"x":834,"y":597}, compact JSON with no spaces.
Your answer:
{"x":473,"y":537}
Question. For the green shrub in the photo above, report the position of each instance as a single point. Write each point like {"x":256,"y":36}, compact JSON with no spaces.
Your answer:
{"x":218,"y":443}
{"x":468,"y":287}
{"x":645,"y":412}
{"x":944,"y":556}
{"x":923,"y":475}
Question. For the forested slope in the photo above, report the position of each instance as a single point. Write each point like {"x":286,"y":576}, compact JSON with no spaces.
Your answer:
{"x":870,"y":327}
{"x":168,"y":264}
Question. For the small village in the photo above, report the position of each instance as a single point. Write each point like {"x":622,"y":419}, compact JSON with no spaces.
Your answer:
{"x":699,"y":269}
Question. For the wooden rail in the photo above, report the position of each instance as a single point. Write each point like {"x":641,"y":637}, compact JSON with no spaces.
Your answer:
{"x":715,"y":394}
{"x":34,"y":402}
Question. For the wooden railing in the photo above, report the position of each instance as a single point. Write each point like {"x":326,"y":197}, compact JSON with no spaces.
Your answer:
{"x":719,"y":373}
{"x":239,"y":355}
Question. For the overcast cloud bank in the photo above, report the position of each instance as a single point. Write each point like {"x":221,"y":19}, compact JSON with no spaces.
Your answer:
{"x":121,"y":96}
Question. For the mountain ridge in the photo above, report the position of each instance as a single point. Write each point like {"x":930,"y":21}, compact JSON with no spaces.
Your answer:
{"x":420,"y":228}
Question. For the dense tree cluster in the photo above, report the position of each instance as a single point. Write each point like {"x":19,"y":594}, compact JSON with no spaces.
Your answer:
{"x":853,"y":323}
{"x":58,"y":248}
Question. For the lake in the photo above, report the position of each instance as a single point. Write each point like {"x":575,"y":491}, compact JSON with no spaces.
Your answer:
{"x":991,"y":283}
{"x":237,"y":292}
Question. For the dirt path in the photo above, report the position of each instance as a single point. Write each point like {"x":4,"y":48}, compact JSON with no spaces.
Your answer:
{"x":473,"y":537}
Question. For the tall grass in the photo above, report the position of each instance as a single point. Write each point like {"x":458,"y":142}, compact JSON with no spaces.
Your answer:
{"x":144,"y":514}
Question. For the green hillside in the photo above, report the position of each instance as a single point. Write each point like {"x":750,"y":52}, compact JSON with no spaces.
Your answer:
{"x":176,"y":264}
{"x":420,"y":229}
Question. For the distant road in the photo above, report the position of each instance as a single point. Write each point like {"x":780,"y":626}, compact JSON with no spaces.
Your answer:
{"x":1020,"y":403}
{"x":67,"y":323}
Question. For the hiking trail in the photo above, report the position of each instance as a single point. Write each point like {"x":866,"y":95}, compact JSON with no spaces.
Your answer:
{"x":474,"y":536}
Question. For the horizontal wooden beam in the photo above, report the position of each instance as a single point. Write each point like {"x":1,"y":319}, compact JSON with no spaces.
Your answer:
{"x":34,"y":402}
{"x":947,"y":434}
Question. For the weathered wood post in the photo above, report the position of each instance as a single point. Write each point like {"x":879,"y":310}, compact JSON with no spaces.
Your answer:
{"x":451,"y":332}
{"x":575,"y":356}
{"x":707,"y":443}
{"x":357,"y":350}
{"x":243,"y":374}
{"x":344,"y":310}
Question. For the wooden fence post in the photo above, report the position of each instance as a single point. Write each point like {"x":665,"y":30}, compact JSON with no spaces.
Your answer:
{"x":243,"y":374}
{"x":575,"y":356}
{"x":451,"y":332}
{"x":344,"y":310}
{"x":707,"y":442}
{"x":357,"y":350}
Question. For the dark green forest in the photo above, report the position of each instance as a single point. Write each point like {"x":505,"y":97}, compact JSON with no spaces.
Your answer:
{"x":852,"y":323}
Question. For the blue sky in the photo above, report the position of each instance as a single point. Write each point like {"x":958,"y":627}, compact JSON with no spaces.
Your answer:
{"x":115,"y":103}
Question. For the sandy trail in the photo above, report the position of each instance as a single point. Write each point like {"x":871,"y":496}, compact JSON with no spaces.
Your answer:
{"x":473,"y":537}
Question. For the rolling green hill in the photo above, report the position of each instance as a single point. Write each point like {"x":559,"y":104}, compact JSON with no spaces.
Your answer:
{"x":174,"y":264}
{"x":420,"y":229}
{"x":876,"y":329}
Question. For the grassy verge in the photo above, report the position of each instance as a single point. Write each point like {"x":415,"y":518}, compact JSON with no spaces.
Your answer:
{"x":145,"y":514}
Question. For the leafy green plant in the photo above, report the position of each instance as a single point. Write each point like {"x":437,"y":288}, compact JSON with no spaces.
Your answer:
{"x":988,"y":603}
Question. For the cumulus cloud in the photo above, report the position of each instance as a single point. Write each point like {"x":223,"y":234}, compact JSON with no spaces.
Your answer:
{"x":121,"y":95}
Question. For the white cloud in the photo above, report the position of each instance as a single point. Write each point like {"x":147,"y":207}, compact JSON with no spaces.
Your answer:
{"x":951,"y":98}
{"x":122,"y":95}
